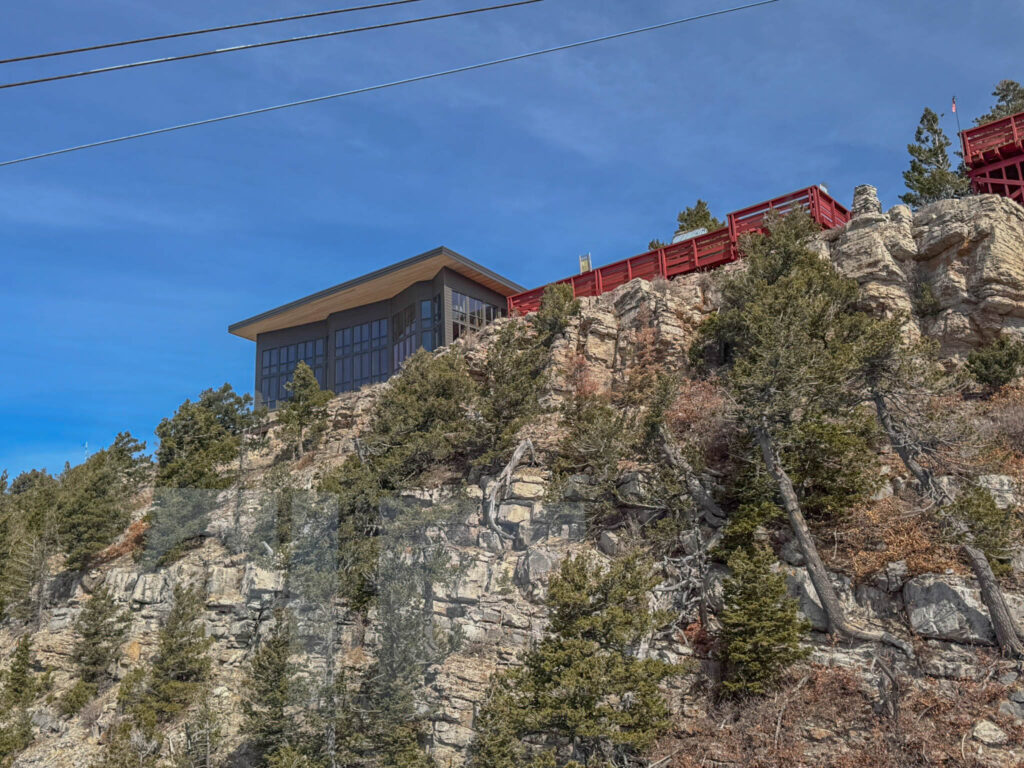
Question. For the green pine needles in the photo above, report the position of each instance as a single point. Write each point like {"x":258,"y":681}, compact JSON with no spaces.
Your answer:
{"x":582,"y":696}
{"x":761,"y":629}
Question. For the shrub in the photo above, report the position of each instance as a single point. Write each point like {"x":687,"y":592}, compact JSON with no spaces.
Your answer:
{"x":15,"y":734}
{"x":760,"y":628}
{"x":557,"y":307}
{"x":76,"y":697}
{"x":998,"y":363}
{"x":994,"y":531}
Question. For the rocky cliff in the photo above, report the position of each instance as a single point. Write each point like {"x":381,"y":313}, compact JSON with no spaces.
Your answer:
{"x":956,"y":269}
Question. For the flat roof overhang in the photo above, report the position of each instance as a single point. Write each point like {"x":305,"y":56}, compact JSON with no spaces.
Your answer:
{"x":380,"y":285}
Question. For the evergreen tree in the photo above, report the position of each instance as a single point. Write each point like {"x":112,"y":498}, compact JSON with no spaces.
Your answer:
{"x":93,"y":498}
{"x":930,"y":176}
{"x":557,"y":307}
{"x":181,"y":666}
{"x":760,"y":627}
{"x":20,"y":684}
{"x":129,"y":746}
{"x":582,"y":685}
{"x":100,"y":628}
{"x":270,"y":690}
{"x":15,"y":734}
{"x":796,"y":343}
{"x":421,"y":420}
{"x":513,"y":380}
{"x":1009,"y":101}
{"x":998,"y":363}
{"x":30,"y":538}
{"x":697,"y":216}
{"x":304,"y":414}
{"x":200,"y":438}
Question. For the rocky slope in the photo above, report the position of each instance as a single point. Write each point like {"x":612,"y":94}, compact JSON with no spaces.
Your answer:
{"x":955,"y":268}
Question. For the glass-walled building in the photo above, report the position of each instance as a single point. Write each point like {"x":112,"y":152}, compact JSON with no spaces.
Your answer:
{"x":361,"y":331}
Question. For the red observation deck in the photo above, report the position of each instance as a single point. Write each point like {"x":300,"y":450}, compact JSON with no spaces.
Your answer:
{"x":699,"y":253}
{"x":994,"y":153}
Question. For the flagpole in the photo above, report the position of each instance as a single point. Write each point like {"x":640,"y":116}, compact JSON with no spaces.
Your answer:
{"x":957,"y":113}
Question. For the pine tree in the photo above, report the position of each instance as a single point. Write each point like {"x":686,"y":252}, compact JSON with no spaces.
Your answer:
{"x":20,"y":684}
{"x":930,"y":176}
{"x":760,"y":627}
{"x":200,"y":437}
{"x":30,"y":538}
{"x":1009,"y":101}
{"x":510,"y":391}
{"x":697,"y":216}
{"x":129,"y":746}
{"x":93,"y":498}
{"x":304,"y":414}
{"x":797,"y":342}
{"x":582,"y":685}
{"x":101,"y":628}
{"x":15,"y":733}
{"x":181,"y":666}
{"x":270,"y":690}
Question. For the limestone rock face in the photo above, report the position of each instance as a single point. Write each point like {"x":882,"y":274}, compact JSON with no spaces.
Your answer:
{"x":944,"y":609}
{"x":959,"y":264}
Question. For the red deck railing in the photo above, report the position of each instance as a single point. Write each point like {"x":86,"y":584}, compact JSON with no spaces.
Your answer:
{"x":704,"y":252}
{"x":994,"y":141}
{"x":994,"y":152}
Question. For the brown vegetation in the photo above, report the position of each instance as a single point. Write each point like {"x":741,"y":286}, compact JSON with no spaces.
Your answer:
{"x":832,"y":717}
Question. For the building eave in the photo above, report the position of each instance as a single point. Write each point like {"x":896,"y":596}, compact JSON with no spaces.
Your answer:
{"x":379,"y":285}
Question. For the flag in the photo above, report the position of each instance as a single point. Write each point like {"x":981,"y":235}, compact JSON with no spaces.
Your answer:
{"x":954,"y":105}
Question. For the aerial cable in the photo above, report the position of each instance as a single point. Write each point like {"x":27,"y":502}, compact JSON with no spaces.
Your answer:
{"x":382,"y":86}
{"x":226,"y":27}
{"x":248,"y":46}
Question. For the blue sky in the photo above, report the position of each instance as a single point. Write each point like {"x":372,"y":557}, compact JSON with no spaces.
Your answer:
{"x":123,"y":266}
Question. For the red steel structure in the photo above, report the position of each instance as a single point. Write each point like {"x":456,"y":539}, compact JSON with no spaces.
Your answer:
{"x":994,"y":153}
{"x":699,"y":253}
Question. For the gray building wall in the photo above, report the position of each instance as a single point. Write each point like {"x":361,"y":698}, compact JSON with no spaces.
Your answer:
{"x":443,"y":284}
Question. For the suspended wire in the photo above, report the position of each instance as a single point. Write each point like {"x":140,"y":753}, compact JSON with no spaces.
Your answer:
{"x":249,"y":46}
{"x":382,"y":86}
{"x":173,"y":35}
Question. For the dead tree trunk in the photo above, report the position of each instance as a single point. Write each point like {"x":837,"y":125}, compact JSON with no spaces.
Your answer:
{"x":501,"y":485}
{"x":713,"y":514}
{"x":1008,"y":632}
{"x":837,"y":620}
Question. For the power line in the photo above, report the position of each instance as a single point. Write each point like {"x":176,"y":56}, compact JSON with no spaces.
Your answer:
{"x":382,"y":86}
{"x":234,"y":48}
{"x":173,"y":35}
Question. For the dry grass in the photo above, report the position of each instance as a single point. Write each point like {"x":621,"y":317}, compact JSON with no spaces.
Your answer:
{"x":872,"y":535}
{"x":130,"y":543}
{"x":832,"y":717}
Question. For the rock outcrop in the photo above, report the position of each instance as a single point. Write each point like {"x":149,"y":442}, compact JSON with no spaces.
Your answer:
{"x":955,"y":268}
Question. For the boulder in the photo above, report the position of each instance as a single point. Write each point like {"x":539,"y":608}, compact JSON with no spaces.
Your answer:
{"x":989,"y":734}
{"x":532,"y":571}
{"x":946,"y":609}
{"x":149,"y":589}
{"x":1004,"y":489}
{"x":260,"y":584}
